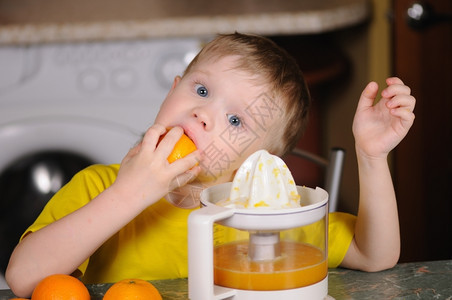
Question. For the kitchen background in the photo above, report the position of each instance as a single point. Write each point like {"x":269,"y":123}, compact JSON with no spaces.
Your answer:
{"x":55,"y":57}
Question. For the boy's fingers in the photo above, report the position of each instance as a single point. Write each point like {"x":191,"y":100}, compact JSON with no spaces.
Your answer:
{"x":394,"y":80}
{"x":184,"y":178}
{"x":395,"y":89}
{"x":406,"y":116}
{"x":183,"y":164}
{"x":132,"y":152}
{"x":167,"y":143}
{"x":368,"y":95}
{"x":172,"y":136}
{"x":405,"y":101}
{"x":153,"y":134}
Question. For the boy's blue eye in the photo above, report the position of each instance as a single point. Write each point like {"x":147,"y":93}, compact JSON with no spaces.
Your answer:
{"x":201,"y":90}
{"x":234,"y":120}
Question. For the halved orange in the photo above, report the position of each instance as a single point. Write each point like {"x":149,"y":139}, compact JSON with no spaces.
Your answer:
{"x":182,"y":148}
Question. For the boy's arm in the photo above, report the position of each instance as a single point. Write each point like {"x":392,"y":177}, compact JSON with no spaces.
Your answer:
{"x":144,"y":177}
{"x":377,"y":129}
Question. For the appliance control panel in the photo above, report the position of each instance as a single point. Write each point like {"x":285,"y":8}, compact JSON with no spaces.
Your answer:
{"x":124,"y":81}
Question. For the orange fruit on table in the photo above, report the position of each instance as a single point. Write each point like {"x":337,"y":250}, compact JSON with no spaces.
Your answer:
{"x":60,"y":287}
{"x":182,"y":148}
{"x":132,"y":289}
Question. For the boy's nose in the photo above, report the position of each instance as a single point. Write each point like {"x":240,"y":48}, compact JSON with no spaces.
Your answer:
{"x":203,"y":117}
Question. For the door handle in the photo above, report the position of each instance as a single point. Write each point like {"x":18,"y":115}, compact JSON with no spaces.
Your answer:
{"x":421,"y":15}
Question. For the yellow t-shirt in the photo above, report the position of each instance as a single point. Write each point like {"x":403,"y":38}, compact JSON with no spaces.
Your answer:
{"x":341,"y":230}
{"x":153,"y":245}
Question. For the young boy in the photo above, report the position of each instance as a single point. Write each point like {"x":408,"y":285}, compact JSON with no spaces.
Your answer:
{"x":240,"y":94}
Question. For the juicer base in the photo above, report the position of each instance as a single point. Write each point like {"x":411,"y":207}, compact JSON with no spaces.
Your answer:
{"x":317,"y":291}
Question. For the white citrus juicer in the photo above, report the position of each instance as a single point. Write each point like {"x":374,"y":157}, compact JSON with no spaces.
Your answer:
{"x":258,"y":254}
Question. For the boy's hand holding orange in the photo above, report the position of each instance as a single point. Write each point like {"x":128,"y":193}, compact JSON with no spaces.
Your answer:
{"x":145,"y":176}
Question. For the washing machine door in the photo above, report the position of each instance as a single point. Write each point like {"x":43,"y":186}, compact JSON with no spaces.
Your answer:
{"x":39,"y":155}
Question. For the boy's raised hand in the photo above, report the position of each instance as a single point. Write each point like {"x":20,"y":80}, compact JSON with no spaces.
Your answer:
{"x":146,"y":175}
{"x":378,"y":128}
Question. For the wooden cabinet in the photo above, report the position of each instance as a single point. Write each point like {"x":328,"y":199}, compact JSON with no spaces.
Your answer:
{"x":423,"y":161}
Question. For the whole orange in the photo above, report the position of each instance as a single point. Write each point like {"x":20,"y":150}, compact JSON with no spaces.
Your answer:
{"x":182,"y":148}
{"x":60,"y":287}
{"x":132,"y":289}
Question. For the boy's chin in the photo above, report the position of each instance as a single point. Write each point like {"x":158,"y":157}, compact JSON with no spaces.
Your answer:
{"x":209,"y":178}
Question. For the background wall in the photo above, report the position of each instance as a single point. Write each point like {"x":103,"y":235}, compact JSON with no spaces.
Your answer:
{"x":368,"y":48}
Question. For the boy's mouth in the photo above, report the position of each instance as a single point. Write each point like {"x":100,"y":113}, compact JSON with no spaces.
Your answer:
{"x":190,"y":135}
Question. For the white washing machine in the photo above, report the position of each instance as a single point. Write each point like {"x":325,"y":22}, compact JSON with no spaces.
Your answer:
{"x":65,"y":106}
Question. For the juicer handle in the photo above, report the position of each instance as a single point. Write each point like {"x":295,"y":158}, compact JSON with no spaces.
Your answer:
{"x":200,"y":253}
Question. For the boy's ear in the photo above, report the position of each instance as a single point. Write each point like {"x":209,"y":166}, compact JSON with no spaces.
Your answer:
{"x":176,"y":81}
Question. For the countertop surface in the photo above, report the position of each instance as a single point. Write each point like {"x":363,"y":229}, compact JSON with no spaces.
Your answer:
{"x":420,"y":280}
{"x":29,"y":21}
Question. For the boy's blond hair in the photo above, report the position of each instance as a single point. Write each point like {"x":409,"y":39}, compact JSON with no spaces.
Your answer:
{"x":286,"y":85}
